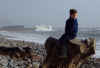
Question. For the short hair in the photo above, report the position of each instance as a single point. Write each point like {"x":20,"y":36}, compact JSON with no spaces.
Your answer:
{"x":73,"y":11}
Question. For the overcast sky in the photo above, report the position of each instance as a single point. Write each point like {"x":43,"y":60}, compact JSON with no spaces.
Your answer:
{"x":30,"y":12}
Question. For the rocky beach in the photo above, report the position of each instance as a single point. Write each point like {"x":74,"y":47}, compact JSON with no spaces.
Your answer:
{"x":6,"y":61}
{"x":31,"y":57}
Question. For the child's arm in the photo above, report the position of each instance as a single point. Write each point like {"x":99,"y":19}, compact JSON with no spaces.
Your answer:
{"x":75,"y":28}
{"x":67,"y":26}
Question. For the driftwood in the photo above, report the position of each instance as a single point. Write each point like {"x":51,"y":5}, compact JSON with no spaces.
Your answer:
{"x":77,"y":53}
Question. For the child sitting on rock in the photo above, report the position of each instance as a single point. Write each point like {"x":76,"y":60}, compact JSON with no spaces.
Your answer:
{"x":71,"y":30}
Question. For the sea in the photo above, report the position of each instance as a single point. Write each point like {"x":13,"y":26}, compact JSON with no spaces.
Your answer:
{"x":31,"y":35}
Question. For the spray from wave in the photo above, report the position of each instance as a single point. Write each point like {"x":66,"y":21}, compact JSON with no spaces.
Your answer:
{"x":43,"y":28}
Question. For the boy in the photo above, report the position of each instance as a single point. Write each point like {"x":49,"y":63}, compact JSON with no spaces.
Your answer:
{"x":71,"y":30}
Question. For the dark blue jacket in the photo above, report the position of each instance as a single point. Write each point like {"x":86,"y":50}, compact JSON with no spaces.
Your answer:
{"x":71,"y":29}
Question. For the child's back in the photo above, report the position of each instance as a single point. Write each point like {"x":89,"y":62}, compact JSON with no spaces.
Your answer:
{"x":71,"y":30}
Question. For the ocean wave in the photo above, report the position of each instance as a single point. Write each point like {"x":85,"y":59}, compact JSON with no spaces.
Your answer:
{"x":43,"y":28}
{"x":24,"y":36}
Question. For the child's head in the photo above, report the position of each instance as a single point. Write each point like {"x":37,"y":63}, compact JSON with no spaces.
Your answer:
{"x":73,"y":13}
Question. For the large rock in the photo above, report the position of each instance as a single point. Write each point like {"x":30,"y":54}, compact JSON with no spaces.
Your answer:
{"x":78,"y":53}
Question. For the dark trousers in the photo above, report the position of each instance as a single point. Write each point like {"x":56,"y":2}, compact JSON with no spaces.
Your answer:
{"x":63,"y":45}
{"x":64,"y":40}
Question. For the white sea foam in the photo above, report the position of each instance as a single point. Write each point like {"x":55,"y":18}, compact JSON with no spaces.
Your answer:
{"x":98,"y":49}
{"x":24,"y":36}
{"x":43,"y":28}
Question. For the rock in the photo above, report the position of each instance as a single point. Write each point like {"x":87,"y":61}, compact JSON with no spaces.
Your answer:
{"x":20,"y":54}
{"x":77,"y":53}
{"x":36,"y":65}
{"x":16,"y":54}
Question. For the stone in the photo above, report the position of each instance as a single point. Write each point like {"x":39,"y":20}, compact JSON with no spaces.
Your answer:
{"x":77,"y":53}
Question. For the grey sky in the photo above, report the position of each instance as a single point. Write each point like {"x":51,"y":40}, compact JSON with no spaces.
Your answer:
{"x":30,"y":12}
